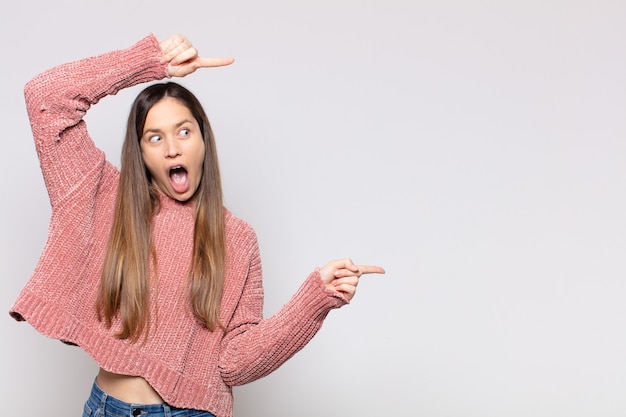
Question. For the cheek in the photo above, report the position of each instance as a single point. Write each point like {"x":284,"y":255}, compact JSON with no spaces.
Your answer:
{"x":200,"y":155}
{"x":149,"y":163}
{"x":151,"y":171}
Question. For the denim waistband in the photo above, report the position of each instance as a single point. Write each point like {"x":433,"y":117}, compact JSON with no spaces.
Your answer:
{"x":113,"y":407}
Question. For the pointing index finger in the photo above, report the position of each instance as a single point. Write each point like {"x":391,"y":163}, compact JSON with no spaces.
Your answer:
{"x":371,"y":269}
{"x":214,"y":62}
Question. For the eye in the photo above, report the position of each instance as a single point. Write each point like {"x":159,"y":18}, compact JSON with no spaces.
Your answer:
{"x":184,"y":132}
{"x":154,"y":138}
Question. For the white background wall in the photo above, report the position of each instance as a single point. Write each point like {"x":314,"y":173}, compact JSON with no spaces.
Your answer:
{"x":476,"y":149}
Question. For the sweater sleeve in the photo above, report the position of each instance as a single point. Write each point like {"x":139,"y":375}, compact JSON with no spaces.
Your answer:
{"x":58,"y":99}
{"x":254,"y":347}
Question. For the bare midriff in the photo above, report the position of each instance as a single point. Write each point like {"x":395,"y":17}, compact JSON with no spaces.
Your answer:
{"x":130,"y":389}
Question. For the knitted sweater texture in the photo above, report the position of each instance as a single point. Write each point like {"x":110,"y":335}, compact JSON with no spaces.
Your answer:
{"x":188,"y":365}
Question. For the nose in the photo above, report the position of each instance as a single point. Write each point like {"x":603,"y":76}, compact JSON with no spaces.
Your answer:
{"x":172,"y":148}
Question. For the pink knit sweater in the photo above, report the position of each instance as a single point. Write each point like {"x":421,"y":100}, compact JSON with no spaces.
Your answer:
{"x":186,"y":364}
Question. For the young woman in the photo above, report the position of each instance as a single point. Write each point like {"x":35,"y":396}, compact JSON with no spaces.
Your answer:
{"x":144,"y":268}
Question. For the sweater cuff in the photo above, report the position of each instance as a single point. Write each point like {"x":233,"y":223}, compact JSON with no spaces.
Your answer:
{"x":149,"y":50}
{"x":316,"y":300}
{"x":156,"y":44}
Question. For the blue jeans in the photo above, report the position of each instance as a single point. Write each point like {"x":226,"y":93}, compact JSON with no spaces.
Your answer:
{"x":101,"y":404}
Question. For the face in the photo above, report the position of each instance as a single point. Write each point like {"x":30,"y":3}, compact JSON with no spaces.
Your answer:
{"x":173,"y":149}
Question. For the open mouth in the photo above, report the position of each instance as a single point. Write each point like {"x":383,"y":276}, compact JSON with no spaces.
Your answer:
{"x":179,"y":178}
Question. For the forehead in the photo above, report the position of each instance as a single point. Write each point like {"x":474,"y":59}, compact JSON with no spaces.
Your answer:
{"x":166,"y":113}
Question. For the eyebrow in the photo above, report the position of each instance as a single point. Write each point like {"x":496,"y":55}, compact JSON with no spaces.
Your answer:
{"x":177,"y":125}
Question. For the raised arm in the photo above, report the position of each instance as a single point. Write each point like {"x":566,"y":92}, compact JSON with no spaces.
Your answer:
{"x":58,"y":99}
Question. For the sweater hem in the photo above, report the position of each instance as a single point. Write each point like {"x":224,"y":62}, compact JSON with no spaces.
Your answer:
{"x":176,"y":389}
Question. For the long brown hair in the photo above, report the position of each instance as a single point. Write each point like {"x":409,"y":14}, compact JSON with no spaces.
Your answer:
{"x":125,"y":284}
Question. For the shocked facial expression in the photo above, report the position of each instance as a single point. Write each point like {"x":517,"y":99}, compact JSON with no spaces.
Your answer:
{"x":173,"y":149}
